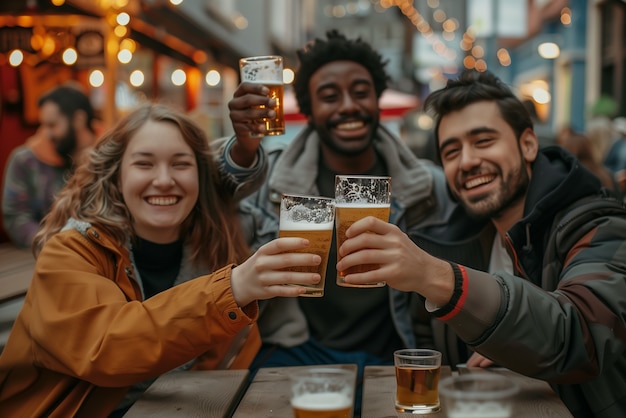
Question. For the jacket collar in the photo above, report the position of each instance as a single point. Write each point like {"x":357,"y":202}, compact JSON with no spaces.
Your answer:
{"x":558,"y":179}
{"x":412,"y":181}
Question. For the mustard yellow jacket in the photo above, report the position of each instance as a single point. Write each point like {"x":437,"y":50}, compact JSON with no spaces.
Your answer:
{"x":84,"y":335}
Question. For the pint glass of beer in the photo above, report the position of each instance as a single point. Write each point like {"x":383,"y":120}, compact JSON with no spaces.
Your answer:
{"x":322,"y":392}
{"x":267,"y":70}
{"x":310,"y":217}
{"x":417,"y":380}
{"x":357,"y":197}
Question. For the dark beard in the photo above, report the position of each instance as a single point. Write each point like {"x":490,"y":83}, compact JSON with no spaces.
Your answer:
{"x":66,"y":147}
{"x":517,"y":181}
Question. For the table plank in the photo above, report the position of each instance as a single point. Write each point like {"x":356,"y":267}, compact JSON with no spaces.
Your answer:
{"x":536,"y":398}
{"x":16,"y":271}
{"x":206,"y":393}
{"x":379,"y":393}
{"x":269,"y":392}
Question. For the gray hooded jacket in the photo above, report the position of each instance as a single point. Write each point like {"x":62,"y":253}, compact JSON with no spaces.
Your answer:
{"x":419,"y":199}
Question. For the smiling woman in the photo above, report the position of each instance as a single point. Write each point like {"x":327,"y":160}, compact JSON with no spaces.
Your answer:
{"x":155,"y":274}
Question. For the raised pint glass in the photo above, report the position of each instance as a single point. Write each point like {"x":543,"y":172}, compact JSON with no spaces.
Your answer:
{"x":267,"y":70}
{"x":310,"y":217}
{"x":417,"y":380}
{"x":355,"y":198}
{"x":322,"y":393}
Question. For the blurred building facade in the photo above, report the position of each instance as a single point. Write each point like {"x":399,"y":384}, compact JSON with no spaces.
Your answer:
{"x":185,"y":52}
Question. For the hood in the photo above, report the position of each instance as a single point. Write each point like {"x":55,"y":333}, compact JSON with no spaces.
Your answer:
{"x":558,"y":179}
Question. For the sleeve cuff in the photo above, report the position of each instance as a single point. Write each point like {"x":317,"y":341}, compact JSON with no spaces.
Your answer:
{"x":454,"y":306}
{"x":233,"y":166}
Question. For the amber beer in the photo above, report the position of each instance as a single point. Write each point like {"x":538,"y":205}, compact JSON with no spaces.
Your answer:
{"x":322,"y":405}
{"x":417,"y":387}
{"x":267,"y":70}
{"x":276,"y":125}
{"x":345,"y":216}
{"x":320,"y":236}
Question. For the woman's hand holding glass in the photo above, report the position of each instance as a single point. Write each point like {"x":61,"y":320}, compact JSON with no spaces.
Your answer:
{"x":263,"y":275}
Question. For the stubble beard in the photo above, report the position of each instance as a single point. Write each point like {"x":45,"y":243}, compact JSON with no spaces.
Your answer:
{"x":492,"y":206}
{"x":66,"y":147}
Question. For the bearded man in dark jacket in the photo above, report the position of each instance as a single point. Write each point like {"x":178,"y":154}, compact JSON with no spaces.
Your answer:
{"x":531,"y":271}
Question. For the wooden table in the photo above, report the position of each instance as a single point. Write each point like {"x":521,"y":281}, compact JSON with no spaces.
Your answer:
{"x":269,"y":393}
{"x":535,"y":400}
{"x":16,"y":271}
{"x":226,"y":393}
{"x":210,"y":394}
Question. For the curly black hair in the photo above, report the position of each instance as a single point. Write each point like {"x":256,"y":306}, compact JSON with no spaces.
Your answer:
{"x":474,"y":86}
{"x":336,"y":48}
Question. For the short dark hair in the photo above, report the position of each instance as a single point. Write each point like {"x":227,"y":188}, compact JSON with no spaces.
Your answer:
{"x":474,"y":86}
{"x":336,"y":48}
{"x":69,"y":99}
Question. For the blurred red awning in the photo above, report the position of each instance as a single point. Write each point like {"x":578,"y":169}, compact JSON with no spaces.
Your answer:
{"x":392,"y":103}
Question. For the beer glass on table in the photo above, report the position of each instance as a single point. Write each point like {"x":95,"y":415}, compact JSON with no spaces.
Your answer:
{"x":267,"y":70}
{"x":355,"y":198}
{"x":417,"y":380}
{"x":310,"y":217}
{"x":478,"y":395}
{"x":322,"y":392}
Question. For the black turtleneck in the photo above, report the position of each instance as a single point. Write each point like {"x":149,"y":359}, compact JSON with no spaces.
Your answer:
{"x":158,"y":264}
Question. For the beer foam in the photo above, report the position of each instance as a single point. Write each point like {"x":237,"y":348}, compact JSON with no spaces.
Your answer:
{"x":289,"y":225}
{"x":321,"y":401}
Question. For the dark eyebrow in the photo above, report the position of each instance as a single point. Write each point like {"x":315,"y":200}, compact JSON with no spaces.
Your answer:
{"x":471,"y":132}
{"x":356,"y":82}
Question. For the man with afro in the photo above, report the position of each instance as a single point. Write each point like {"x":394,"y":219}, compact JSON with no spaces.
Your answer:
{"x":338,"y":85}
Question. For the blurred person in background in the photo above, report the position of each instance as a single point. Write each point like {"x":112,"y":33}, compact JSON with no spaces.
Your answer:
{"x":338,"y":85}
{"x":37,"y":170}
{"x":600,"y":132}
{"x":616,"y":157}
{"x":582,"y":148}
{"x":141,"y":269}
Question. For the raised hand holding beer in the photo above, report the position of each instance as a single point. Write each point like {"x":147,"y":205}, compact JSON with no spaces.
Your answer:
{"x":357,"y":197}
{"x":268,"y":71}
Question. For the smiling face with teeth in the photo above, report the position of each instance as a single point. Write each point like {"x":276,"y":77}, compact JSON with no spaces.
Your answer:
{"x":486,"y":166}
{"x":344,"y":112}
{"x":159,"y":181}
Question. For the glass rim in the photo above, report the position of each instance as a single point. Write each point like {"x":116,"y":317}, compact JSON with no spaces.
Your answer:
{"x":323,"y":372}
{"x":413,"y":352}
{"x":260,"y":58}
{"x":361,"y":176}
{"x":312,"y":371}
{"x":307,"y":196}
{"x":509,"y":387}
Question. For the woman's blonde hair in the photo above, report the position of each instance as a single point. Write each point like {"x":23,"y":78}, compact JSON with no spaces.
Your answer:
{"x":93,"y":194}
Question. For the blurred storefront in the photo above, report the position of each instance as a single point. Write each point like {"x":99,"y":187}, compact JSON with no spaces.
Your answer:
{"x":121,"y":52}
